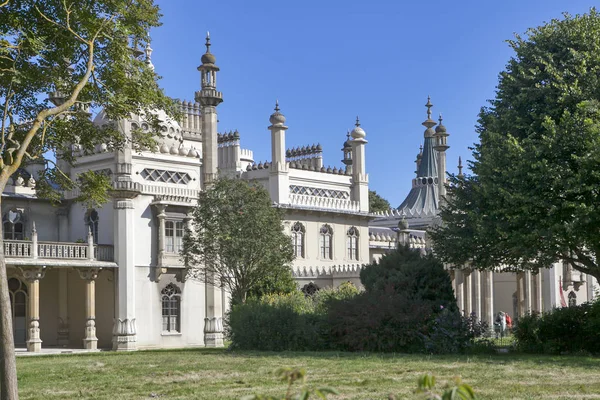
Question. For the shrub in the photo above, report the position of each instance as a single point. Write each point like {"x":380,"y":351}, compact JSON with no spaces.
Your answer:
{"x":276,"y":323}
{"x":562,"y":330}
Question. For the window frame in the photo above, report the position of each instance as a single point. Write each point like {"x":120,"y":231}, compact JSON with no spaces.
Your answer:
{"x":174,"y":240}
{"x":298,"y":232}
{"x":170,"y":299}
{"x":352,"y":242}
{"x":326,"y":242}
{"x":9,"y":231}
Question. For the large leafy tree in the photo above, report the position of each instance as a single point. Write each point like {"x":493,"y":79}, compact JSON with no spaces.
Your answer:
{"x":237,"y":237}
{"x":377,"y":203}
{"x":534,"y":195}
{"x":59,"y":61}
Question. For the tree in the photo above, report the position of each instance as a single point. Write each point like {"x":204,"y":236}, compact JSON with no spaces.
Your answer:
{"x":60,"y":60}
{"x":533,"y":197}
{"x":237,"y":237}
{"x":377,"y":203}
{"x":280,"y":280}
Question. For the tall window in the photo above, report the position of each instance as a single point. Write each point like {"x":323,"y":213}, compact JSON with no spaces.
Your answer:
{"x":352,"y":243}
{"x":173,"y":236}
{"x":572,"y":299}
{"x":12,"y":224}
{"x":326,"y":249}
{"x":18,"y":301}
{"x":171,"y":310}
{"x":298,"y":239}
{"x":91,"y":221}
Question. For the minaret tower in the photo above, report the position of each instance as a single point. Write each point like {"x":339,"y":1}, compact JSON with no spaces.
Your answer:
{"x":360,"y":179}
{"x":347,"y":150}
{"x":209,"y":98}
{"x":441,"y":146}
{"x":279,"y":181}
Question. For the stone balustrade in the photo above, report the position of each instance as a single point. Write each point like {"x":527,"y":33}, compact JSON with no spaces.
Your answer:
{"x":57,"y":250}
{"x":326,"y":203}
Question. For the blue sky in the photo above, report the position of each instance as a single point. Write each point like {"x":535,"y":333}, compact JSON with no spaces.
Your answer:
{"x":328,"y":61}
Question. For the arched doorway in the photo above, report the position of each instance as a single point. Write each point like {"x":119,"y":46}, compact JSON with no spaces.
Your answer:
{"x":18,"y":301}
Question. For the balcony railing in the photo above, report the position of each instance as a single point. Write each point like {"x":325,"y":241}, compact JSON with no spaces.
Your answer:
{"x":57,"y":250}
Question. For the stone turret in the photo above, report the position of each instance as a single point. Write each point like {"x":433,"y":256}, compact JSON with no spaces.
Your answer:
{"x":441,"y":146}
{"x":279,"y":181}
{"x":360,"y":179}
{"x":347,"y":151}
{"x":209,"y":98}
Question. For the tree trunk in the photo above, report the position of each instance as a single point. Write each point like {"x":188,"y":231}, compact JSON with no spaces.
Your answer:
{"x":9,"y":389}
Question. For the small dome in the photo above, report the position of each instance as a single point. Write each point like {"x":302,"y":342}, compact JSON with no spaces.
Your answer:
{"x":440,"y":128}
{"x":208,"y":58}
{"x":277,"y":118}
{"x":358,"y":132}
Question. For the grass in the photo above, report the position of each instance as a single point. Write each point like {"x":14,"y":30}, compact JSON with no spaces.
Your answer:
{"x":221,"y":374}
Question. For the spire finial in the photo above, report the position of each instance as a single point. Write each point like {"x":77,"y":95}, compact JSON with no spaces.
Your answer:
{"x":421,"y":149}
{"x":357,"y":121}
{"x":460,"y":166}
{"x":207,"y":42}
{"x":440,"y":119}
{"x":348,"y":134}
{"x":428,"y":105}
{"x":277,"y":105}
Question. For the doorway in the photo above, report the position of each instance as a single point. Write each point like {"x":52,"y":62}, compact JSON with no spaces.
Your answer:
{"x":18,"y":301}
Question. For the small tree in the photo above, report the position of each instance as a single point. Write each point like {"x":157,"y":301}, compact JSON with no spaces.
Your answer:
{"x":280,"y":280}
{"x":377,"y":203}
{"x":59,"y":60}
{"x":237,"y":237}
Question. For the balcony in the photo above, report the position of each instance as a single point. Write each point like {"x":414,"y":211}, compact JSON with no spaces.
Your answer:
{"x":32,"y":249}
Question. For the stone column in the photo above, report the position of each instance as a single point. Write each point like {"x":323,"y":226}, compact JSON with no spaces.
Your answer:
{"x":489,"y":298}
{"x":528,"y":292}
{"x":124,"y":330}
{"x":213,"y":322}
{"x":539,"y":307}
{"x":90,"y":341}
{"x":459,"y":290}
{"x":468,"y":300}
{"x":160,"y":216}
{"x":520,"y":294}
{"x":477,"y":309}
{"x":33,"y":276}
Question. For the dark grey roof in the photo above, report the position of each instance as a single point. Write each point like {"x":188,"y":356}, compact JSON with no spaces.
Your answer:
{"x":422,"y":200}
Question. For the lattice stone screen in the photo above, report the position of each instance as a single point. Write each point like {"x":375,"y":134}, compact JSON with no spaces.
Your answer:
{"x":319,"y":192}
{"x":161,"y":175}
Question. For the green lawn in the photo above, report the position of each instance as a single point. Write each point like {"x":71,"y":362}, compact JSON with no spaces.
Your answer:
{"x":219,"y":374}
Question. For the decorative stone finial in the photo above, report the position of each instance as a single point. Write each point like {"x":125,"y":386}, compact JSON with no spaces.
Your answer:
{"x":460,"y":166}
{"x":429,"y":123}
{"x":207,"y":42}
{"x":440,"y":128}
{"x":33,"y":230}
{"x":208,"y":57}
{"x":277,"y":118}
{"x":428,"y":105}
{"x":148,"y":50}
{"x":358,"y":132}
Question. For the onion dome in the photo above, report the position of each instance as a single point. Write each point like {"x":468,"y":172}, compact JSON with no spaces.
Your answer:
{"x":277,"y":118}
{"x":440,"y":128}
{"x":358,"y":132}
{"x":319,"y":147}
{"x":208,"y":57}
{"x":347,"y":144}
{"x":236,"y":135}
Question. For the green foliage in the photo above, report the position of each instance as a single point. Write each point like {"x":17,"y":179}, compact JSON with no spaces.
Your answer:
{"x":237,"y":238}
{"x":280,"y":280}
{"x":377,"y":203}
{"x":291,"y":376}
{"x":77,"y":53}
{"x":563,"y":330}
{"x":276,"y":322}
{"x":532,"y":198}
{"x":289,"y":321}
{"x":457,"y":391}
{"x":407,"y":272}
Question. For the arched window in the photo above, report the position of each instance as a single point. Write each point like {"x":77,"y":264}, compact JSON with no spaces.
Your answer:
{"x":325,"y":242}
{"x":171,"y":310}
{"x":173,"y":236}
{"x":91,"y":222}
{"x":352,"y":243}
{"x":572,"y":299}
{"x":12,"y":224}
{"x":310,"y":289}
{"x":298,"y":239}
